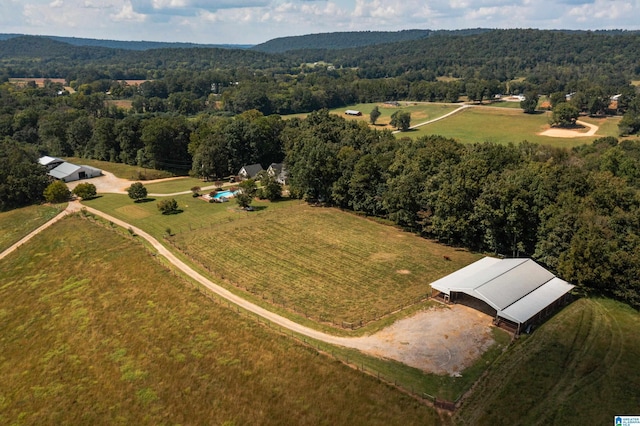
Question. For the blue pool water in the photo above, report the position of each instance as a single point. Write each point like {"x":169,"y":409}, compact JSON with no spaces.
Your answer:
{"x":226,"y":194}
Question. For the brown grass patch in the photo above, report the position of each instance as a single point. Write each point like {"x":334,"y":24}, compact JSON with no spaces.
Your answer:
{"x":133,"y":211}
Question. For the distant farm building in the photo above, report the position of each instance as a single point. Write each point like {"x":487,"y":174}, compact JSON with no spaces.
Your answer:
{"x":59,"y":169}
{"x":50,"y":162}
{"x":352,"y":112}
{"x":517,"y":292}
{"x":250,"y":171}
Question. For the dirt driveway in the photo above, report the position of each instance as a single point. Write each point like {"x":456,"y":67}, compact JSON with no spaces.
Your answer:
{"x":441,"y":340}
{"x":568,"y":133}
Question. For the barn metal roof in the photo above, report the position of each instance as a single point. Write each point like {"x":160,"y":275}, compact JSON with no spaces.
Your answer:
{"x":63,"y":170}
{"x":516,"y":288}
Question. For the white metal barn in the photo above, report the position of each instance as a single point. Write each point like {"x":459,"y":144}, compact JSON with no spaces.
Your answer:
{"x":68,"y":172}
{"x":519,"y":291}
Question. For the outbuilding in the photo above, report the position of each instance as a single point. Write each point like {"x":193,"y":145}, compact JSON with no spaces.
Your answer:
{"x":68,"y":172}
{"x":353,"y":112}
{"x":518,"y":292}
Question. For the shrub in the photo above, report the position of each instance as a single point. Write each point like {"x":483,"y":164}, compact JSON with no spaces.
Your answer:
{"x":168,"y":206}
{"x":85,"y":191}
{"x":57,"y":192}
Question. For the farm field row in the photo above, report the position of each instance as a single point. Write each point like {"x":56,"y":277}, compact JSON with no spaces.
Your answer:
{"x":330,"y":265}
{"x":84,"y":342}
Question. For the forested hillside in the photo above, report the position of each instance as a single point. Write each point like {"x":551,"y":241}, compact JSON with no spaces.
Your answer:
{"x":353,"y":39}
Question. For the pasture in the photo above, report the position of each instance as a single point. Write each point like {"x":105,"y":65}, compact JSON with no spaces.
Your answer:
{"x":85,"y":342}
{"x":325,"y":264}
{"x":581,"y":367}
{"x":15,"y":224}
{"x":505,"y":125}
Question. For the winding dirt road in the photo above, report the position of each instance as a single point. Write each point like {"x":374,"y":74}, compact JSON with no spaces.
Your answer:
{"x":442,"y":340}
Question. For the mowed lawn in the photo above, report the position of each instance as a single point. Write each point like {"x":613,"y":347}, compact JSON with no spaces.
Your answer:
{"x":15,"y":224}
{"x":93,"y":330}
{"x":503,"y":126}
{"x":328,"y":264}
{"x":579,"y":368}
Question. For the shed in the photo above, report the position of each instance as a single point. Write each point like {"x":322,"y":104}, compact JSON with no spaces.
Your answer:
{"x":518,"y":291}
{"x":68,"y":172}
{"x":250,"y":171}
{"x":352,"y":112}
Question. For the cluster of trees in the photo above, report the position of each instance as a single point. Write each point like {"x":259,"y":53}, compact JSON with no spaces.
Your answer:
{"x":576,"y":212}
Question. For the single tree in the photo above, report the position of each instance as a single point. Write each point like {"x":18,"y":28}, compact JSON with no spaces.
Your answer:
{"x":529,"y":103}
{"x":564,"y":115}
{"x":168,"y":206}
{"x":85,"y":190}
{"x":271,"y":188}
{"x":57,"y":192}
{"x":244,"y":200}
{"x":401,"y":120}
{"x":137,"y":191}
{"x":249,"y":187}
{"x":374,"y":115}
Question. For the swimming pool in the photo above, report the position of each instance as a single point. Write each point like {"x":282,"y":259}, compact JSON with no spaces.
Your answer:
{"x":224,"y":194}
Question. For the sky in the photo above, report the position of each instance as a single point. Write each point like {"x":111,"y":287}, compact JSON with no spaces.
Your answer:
{"x":257,"y":21}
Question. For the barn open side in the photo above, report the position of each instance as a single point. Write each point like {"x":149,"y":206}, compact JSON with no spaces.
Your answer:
{"x":516,"y":291}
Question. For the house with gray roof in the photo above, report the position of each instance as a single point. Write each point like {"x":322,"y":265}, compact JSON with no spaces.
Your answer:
{"x":250,"y":171}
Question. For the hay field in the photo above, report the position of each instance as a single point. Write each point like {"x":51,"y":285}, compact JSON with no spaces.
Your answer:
{"x":98,"y":332}
{"x":17,"y":223}
{"x":327,"y":264}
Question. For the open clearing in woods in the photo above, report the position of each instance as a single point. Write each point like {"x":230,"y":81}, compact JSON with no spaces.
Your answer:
{"x":84,"y":341}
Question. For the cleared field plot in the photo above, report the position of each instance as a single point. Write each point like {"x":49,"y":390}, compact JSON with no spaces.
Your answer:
{"x":176,"y":185}
{"x":581,"y":367}
{"x":17,"y":223}
{"x":503,"y":125}
{"x":123,"y":171}
{"x":330,"y":265}
{"x":98,"y":332}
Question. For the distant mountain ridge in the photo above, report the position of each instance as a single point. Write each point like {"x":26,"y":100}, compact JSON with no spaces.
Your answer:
{"x":126,"y":45}
{"x":352,"y":39}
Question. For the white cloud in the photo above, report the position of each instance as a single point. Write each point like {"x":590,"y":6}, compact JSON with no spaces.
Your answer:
{"x":127,"y":14}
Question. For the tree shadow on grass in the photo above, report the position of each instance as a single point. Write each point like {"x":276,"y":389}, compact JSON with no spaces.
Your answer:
{"x":173,"y":212}
{"x":145,"y":200}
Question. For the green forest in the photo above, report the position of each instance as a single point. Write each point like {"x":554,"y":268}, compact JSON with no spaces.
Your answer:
{"x":209,"y":111}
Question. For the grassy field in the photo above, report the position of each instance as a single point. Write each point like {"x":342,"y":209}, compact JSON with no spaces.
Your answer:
{"x":82,"y":342}
{"x":17,"y":223}
{"x":503,"y":126}
{"x":176,"y":185}
{"x":123,"y":171}
{"x":420,"y":111}
{"x":581,"y":367}
{"x":330,"y":265}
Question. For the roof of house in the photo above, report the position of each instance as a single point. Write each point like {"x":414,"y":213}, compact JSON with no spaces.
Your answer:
{"x":516,"y":288}
{"x":276,"y":167}
{"x":251,"y":170}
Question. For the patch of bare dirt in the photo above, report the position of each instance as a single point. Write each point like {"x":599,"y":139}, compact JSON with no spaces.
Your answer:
{"x":441,"y":340}
{"x":555,"y":132}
